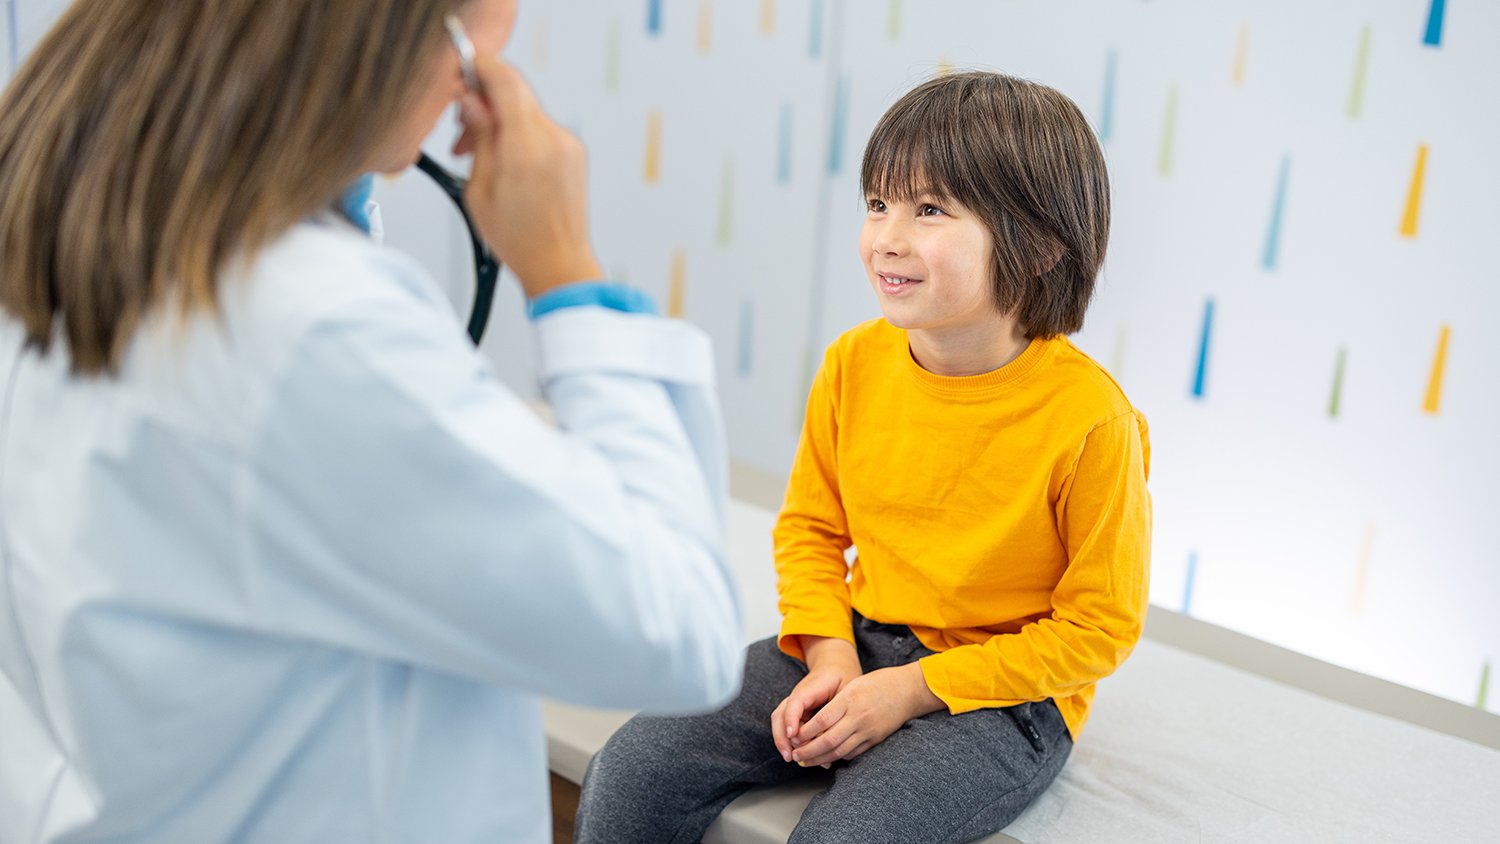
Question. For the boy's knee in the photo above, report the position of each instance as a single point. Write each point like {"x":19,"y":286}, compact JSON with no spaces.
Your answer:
{"x":629,"y":759}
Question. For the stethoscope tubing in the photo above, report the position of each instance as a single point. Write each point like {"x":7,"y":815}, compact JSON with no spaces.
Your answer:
{"x":486,"y":265}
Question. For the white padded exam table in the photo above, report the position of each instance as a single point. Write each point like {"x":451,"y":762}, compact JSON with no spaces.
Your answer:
{"x":1179,"y":748}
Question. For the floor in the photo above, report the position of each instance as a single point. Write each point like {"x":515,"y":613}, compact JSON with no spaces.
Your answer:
{"x":564,"y":807}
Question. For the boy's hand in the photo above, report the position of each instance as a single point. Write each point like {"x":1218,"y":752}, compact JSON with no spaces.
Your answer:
{"x":831,"y":664}
{"x":863,"y":714}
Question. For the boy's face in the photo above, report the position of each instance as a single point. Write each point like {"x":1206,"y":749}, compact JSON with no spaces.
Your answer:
{"x":930,"y":261}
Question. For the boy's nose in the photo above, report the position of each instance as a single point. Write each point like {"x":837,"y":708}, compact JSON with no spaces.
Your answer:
{"x":890,"y":238}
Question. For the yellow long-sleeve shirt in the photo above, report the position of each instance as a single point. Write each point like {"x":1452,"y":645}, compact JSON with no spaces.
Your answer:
{"x":1003,"y":517}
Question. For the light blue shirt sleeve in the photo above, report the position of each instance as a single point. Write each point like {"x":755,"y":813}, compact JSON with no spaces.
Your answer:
{"x":301,"y":570}
{"x":584,"y":562}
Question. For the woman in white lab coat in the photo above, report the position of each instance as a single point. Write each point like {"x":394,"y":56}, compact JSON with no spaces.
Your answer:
{"x":280,"y":559}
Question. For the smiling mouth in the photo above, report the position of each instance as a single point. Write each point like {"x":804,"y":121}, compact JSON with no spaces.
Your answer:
{"x":897,"y":282}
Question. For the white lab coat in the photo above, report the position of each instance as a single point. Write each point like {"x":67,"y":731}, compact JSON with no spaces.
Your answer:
{"x":301,"y":571}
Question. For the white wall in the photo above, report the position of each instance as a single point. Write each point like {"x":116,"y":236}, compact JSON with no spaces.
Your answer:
{"x":1360,"y":537}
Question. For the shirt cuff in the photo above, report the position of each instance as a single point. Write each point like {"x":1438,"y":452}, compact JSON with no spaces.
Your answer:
{"x":591,"y":340}
{"x":603,"y":294}
{"x":797,"y":625}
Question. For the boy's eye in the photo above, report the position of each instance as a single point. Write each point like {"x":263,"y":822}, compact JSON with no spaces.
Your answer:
{"x":876,"y":205}
{"x":929,"y":210}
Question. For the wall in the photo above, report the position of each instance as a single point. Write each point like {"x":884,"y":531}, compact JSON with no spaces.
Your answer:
{"x":1298,"y":294}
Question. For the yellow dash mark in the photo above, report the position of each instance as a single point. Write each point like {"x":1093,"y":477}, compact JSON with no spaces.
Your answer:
{"x":705,"y":26}
{"x":1435,"y":380}
{"x":675,"y":292}
{"x":653,"y":148}
{"x":1363,"y":572}
{"x":1242,"y":47}
{"x":767,"y":16}
{"x":945,"y":66}
{"x":1414,"y":194}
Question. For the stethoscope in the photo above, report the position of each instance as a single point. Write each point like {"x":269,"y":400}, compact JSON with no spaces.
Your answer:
{"x":486,"y":265}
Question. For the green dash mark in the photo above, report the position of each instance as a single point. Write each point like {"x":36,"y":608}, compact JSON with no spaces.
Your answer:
{"x":1357,"y":88}
{"x":1168,"y":131}
{"x":612,"y":57}
{"x":1338,"y":383}
{"x":893,"y":22}
{"x":1484,"y":686}
{"x":726,"y":205}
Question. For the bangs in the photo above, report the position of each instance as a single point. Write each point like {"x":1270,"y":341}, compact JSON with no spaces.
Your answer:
{"x":918,"y":149}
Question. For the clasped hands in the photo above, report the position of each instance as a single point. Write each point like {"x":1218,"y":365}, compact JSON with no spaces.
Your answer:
{"x":838,"y":712}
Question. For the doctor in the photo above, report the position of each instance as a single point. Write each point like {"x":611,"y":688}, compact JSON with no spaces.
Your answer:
{"x":280,"y":559}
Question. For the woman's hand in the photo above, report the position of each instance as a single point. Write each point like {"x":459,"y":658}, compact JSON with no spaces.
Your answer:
{"x":831,"y":665}
{"x":527,"y":192}
{"x":864,"y":713}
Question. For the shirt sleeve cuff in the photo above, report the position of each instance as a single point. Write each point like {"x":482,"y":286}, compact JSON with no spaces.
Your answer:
{"x":593,"y":339}
{"x":603,"y":294}
{"x":792,"y":628}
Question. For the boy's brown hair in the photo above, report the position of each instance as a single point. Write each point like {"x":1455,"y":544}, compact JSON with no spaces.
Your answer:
{"x":144,"y":143}
{"x":1022,"y":157}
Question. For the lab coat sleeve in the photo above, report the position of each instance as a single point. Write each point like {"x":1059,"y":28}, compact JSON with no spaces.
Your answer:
{"x":400,"y":501}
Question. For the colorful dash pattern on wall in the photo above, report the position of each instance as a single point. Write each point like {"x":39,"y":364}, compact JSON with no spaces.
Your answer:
{"x":1200,"y":376}
{"x":1188,"y":582}
{"x":1361,"y":63}
{"x":1482,"y":700}
{"x":677,"y":286}
{"x":1414,"y":194}
{"x":1241,"y":51}
{"x":651,"y":169}
{"x":1107,"y":109}
{"x":1168,"y":134}
{"x":1299,"y":234}
{"x":1432,"y":401}
{"x":815,"y":29}
{"x":1433,"y":37}
{"x":1338,"y":382}
{"x":840,"y":126}
{"x":653,"y":16}
{"x":1278,"y":207}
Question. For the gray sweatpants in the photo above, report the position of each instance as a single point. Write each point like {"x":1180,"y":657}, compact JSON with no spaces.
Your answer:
{"x":939,"y":778}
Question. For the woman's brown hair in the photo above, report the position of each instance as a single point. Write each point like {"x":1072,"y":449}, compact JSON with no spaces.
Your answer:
{"x":1022,"y":157}
{"x":144,"y":143}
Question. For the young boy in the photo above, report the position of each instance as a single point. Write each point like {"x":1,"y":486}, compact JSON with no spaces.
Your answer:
{"x":992,"y":479}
